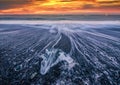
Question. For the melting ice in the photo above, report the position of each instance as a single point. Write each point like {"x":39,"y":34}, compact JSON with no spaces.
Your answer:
{"x":53,"y":57}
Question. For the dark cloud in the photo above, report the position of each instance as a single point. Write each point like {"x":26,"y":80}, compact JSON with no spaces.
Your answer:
{"x":5,"y":4}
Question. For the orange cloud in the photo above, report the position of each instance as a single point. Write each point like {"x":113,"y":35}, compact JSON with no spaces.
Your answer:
{"x":59,"y":6}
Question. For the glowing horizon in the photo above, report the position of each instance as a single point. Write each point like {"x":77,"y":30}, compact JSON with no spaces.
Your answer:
{"x":59,"y":7}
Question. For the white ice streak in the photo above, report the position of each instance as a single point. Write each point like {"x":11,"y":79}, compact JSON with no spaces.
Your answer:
{"x":99,"y":49}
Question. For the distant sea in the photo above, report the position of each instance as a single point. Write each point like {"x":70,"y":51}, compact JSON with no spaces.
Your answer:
{"x":61,"y":17}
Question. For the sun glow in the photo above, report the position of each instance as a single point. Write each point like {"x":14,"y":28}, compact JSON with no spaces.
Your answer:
{"x":61,"y":7}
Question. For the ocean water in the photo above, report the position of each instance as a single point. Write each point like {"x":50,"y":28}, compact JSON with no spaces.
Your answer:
{"x":63,"y":52}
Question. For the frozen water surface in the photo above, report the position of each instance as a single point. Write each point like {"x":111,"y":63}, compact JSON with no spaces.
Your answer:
{"x":59,"y":52}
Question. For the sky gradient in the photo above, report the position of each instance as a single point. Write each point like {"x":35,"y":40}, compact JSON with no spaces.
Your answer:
{"x":59,"y":6}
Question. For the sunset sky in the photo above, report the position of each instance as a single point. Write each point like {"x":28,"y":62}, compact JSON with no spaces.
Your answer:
{"x":59,"y":6}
